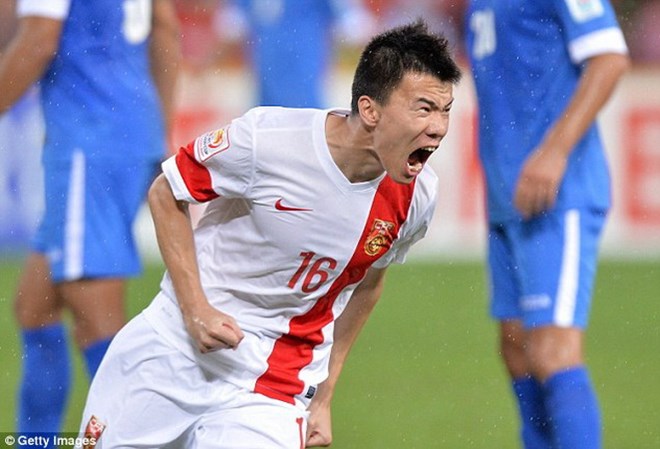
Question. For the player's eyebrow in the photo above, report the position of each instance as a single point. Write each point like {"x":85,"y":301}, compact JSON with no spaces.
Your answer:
{"x":433,"y":105}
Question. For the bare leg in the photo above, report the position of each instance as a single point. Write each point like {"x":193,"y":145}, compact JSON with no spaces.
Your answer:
{"x":46,"y":369}
{"x":97,"y":306}
{"x":36,"y":303}
{"x":552,"y":349}
{"x":513,"y":348}
{"x":528,"y":391}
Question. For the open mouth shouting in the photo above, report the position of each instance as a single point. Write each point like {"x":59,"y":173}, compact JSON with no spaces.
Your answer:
{"x":418,"y":158}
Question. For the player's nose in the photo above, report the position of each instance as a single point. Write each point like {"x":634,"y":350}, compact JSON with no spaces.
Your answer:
{"x":438,"y":126}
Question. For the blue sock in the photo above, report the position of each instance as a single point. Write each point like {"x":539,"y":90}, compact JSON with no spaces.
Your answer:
{"x":573,"y":409}
{"x":46,"y":379}
{"x":535,"y":432}
{"x":94,"y":354}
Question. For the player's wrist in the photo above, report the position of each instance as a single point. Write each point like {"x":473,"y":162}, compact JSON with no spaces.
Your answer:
{"x":193,"y":305}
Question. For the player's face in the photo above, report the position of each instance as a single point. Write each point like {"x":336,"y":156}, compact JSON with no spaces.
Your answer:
{"x":412,"y":124}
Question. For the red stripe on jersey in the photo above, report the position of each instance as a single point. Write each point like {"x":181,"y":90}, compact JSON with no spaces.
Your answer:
{"x":195,"y":175}
{"x":294,"y":350}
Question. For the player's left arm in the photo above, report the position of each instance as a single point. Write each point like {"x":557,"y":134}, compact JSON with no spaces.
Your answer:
{"x":543,"y":171}
{"x":27,"y":57}
{"x":165,"y":54}
{"x":347,"y":328}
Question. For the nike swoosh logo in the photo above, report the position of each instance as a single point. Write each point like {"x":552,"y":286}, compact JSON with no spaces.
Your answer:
{"x":282,"y":207}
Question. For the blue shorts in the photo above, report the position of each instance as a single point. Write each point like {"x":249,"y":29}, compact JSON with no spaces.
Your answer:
{"x":542,"y":270}
{"x":90,"y":206}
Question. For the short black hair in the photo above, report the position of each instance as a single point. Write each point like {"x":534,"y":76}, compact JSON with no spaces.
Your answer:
{"x":393,"y":53}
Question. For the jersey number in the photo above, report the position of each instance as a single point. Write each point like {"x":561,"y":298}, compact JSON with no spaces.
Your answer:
{"x":316,"y":271}
{"x":137,"y":20}
{"x":482,"y":24}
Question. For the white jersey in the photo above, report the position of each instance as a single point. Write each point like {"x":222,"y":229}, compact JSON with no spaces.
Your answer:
{"x":283,"y":243}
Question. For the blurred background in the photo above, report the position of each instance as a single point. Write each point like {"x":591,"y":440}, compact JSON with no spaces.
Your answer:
{"x":238,"y":53}
{"x":425,"y":372}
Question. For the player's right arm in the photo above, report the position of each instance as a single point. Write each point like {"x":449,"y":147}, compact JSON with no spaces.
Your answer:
{"x":217,"y":163}
{"x":543,"y":171}
{"x":27,"y":57}
{"x":209,"y":328}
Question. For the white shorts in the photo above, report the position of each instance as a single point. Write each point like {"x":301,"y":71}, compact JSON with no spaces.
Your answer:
{"x":147,"y":394}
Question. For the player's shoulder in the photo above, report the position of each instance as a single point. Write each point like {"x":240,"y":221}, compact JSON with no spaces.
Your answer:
{"x":277,"y":117}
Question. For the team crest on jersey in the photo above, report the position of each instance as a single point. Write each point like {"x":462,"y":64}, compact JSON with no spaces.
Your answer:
{"x":93,"y":432}
{"x":212,"y":143}
{"x":380,"y":237}
{"x":583,"y":10}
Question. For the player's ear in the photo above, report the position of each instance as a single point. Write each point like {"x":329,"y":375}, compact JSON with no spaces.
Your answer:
{"x":369,"y":110}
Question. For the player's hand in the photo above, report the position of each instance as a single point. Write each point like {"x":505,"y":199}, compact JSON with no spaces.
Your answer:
{"x":319,"y":426}
{"x":538,"y":183}
{"x":211,"y":329}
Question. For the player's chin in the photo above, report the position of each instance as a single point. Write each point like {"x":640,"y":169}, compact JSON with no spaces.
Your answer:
{"x":405,"y":177}
{"x":405,"y":172}
{"x":411,"y":171}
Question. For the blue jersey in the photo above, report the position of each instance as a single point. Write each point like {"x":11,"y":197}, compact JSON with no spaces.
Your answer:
{"x":98,"y":95}
{"x":291,"y":49}
{"x":526,"y":58}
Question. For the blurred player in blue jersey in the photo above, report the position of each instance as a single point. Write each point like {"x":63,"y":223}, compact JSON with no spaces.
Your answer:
{"x":543,"y":70}
{"x":106,"y":70}
{"x":291,"y":43}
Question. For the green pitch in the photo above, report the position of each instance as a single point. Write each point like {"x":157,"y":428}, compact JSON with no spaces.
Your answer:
{"x":425,"y":372}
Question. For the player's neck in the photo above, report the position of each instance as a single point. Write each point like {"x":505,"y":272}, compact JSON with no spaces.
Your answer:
{"x":351,"y":147}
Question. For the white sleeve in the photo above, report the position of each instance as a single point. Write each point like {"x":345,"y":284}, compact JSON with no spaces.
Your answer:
{"x":218,"y":163}
{"x":609,"y":40}
{"x":53,"y":9}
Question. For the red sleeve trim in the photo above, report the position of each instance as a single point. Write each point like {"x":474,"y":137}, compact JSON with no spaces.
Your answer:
{"x":195,"y":175}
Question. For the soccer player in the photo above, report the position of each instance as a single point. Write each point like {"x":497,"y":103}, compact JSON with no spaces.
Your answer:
{"x":543,"y":70}
{"x":105,"y":136}
{"x":262,"y":301}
